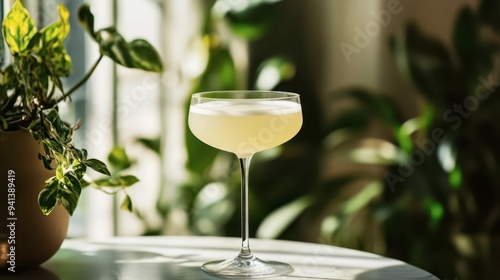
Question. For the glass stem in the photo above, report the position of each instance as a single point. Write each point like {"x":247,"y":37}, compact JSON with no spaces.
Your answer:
{"x":245,"y":244}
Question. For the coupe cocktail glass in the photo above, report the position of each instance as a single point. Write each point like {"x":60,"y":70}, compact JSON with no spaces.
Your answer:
{"x":244,"y":123}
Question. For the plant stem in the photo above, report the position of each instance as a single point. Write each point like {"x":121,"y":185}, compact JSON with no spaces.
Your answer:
{"x":9,"y":103}
{"x":81,"y":82}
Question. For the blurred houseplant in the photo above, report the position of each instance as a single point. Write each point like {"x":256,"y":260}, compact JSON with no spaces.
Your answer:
{"x":31,"y":89}
{"x":429,"y":192}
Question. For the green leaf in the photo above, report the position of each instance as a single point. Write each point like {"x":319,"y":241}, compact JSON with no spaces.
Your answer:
{"x":47,"y":199}
{"x":274,"y":71}
{"x":35,"y":42}
{"x":4,"y":124}
{"x":72,"y":183}
{"x":253,"y":21}
{"x":98,"y":166}
{"x":59,"y":30}
{"x":436,"y":211}
{"x":18,"y":29}
{"x":114,"y":46}
{"x":8,"y":77}
{"x":59,"y":60}
{"x":145,"y":56}
{"x":86,"y":19}
{"x":127,"y":180}
{"x":79,"y":169}
{"x":53,"y":49}
{"x":69,"y":201}
{"x":455,"y":178}
{"x":329,"y":225}
{"x":59,"y":129}
{"x":54,"y":146}
{"x":138,"y":54}
{"x":408,"y":128}
{"x":106,"y":182}
{"x":119,"y":159}
{"x":152,"y":144}
{"x":380,"y":152}
{"x":79,"y":154}
{"x":69,"y":194}
{"x":121,"y":181}
{"x":465,"y":35}
{"x":84,"y":183}
{"x":47,"y":161}
{"x":361,"y":199}
{"x":403,"y":135}
{"x":276,"y":222}
{"x":476,"y":56}
{"x":427,"y":62}
{"x":126,"y":204}
{"x":59,"y":172}
{"x":374,"y":104}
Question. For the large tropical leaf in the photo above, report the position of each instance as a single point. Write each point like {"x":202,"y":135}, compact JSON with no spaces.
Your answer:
{"x":426,"y":61}
{"x":380,"y":106}
{"x":476,"y":56}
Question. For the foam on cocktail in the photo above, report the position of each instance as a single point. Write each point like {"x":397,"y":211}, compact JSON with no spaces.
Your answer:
{"x":246,"y":107}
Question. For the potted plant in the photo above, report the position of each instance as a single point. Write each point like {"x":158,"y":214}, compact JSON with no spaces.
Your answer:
{"x":30,"y":93}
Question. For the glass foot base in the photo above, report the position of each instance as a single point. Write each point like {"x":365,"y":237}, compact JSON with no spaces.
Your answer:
{"x":246,"y":268}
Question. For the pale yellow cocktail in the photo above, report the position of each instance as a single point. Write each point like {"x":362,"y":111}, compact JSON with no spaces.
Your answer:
{"x":245,"y":127}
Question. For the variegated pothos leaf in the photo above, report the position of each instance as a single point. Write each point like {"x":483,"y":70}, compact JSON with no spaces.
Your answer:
{"x":18,"y":29}
{"x":53,"y":36}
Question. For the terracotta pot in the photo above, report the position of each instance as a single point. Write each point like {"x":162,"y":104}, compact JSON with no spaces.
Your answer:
{"x":37,"y":237}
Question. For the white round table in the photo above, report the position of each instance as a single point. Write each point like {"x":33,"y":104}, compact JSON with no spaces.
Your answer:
{"x":180,"y":257}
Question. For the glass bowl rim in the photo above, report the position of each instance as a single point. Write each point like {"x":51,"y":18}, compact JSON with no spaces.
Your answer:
{"x":286,"y":94}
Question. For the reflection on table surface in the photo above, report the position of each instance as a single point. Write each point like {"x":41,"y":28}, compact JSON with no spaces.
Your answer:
{"x":180,"y":257}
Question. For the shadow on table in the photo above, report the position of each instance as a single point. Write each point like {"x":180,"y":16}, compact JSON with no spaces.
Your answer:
{"x":38,"y":273}
{"x":397,"y":272}
{"x":116,"y":264}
